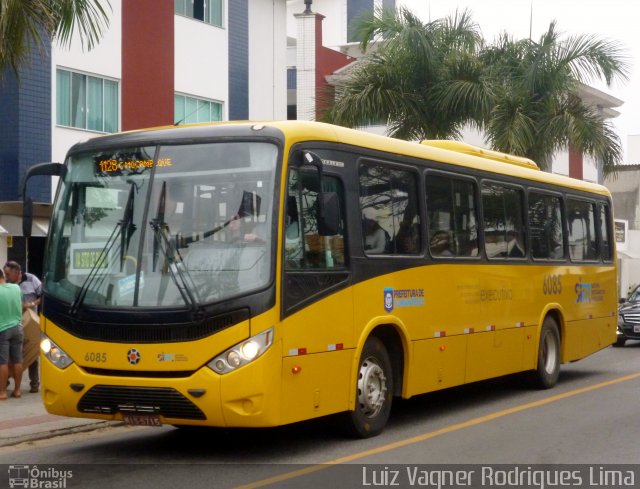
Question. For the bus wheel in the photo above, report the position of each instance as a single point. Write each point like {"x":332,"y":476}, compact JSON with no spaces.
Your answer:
{"x":374,"y":391}
{"x":548,"y":369}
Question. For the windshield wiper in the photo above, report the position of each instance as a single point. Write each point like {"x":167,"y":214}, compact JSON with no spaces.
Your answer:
{"x":101,"y":261}
{"x":127,"y":228}
{"x":173,"y":260}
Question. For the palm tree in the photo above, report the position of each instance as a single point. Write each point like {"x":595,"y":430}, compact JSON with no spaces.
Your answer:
{"x":32,"y":23}
{"x":404,"y":81}
{"x":537,"y":108}
{"x":427,"y":81}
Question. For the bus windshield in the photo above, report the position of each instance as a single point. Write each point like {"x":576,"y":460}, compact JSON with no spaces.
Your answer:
{"x":174,"y":226}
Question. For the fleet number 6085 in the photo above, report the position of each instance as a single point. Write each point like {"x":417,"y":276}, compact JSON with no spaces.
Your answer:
{"x":551,"y":285}
{"x":95,"y":357}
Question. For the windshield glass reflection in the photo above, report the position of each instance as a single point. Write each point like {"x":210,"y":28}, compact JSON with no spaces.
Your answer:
{"x":200,"y":233}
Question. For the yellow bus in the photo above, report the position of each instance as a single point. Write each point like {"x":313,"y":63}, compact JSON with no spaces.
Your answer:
{"x":254,"y":275}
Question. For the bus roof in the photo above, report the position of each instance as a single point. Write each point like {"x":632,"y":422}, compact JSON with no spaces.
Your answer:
{"x":450,"y":152}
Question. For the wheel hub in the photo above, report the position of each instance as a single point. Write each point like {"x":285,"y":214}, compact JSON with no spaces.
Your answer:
{"x":372,"y":387}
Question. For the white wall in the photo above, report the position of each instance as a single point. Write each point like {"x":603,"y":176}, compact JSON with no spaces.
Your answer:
{"x":589,"y":169}
{"x":633,"y":150}
{"x":202,"y":60}
{"x":560,"y":164}
{"x":630,"y":267}
{"x":104,"y":61}
{"x":268,"y":60}
{"x":334,"y":26}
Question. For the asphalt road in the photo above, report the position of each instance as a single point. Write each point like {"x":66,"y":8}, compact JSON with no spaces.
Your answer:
{"x":590,"y":417}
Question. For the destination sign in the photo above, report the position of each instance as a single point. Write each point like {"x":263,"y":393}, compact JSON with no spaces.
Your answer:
{"x":112,"y":165}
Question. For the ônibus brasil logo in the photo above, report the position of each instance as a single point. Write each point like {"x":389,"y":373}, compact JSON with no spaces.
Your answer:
{"x":34,"y":477}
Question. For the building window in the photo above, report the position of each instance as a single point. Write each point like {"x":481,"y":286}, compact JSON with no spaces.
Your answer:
{"x":209,"y":11}
{"x":189,"y":109}
{"x":86,"y":102}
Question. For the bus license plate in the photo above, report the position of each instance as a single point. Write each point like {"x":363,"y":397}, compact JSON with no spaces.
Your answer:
{"x":636,"y":329}
{"x":142,"y":420}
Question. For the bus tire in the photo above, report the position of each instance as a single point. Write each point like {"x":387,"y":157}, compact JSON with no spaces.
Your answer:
{"x":547,"y":371}
{"x":374,"y":391}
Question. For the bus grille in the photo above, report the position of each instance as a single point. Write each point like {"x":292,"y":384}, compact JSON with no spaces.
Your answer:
{"x":631,"y":318}
{"x":124,"y":332}
{"x":162,"y":401}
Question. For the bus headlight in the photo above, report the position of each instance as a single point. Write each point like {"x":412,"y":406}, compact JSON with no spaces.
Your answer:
{"x":242,"y":353}
{"x":54,"y":353}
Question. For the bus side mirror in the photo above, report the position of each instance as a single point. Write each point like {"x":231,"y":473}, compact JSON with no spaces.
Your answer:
{"x":329,"y":222}
{"x":50,"y":169}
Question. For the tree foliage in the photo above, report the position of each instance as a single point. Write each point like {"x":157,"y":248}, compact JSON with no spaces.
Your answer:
{"x":403,"y":82}
{"x":429,"y":80}
{"x":25,"y":24}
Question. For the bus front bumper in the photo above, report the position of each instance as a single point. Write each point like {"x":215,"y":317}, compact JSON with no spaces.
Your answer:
{"x":247,"y":397}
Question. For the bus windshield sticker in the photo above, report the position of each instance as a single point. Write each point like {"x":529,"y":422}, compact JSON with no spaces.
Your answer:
{"x":126,"y":285}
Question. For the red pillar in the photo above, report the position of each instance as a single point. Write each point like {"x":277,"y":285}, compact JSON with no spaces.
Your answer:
{"x":327,"y":62}
{"x":575,"y":164}
{"x":147,"y":86}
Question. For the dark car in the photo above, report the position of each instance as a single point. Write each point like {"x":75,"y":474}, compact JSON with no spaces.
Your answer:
{"x":629,"y":318}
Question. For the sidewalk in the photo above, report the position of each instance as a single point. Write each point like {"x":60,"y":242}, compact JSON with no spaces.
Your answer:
{"x":26,"y":419}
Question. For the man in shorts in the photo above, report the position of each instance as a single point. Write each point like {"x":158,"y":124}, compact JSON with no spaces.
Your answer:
{"x":10,"y":336}
{"x":31,"y":290}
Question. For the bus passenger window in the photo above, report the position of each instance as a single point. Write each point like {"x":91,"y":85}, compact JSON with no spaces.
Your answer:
{"x":605,"y":233}
{"x":545,"y":225}
{"x":583,"y":244}
{"x":451,"y":216}
{"x":304,"y":247}
{"x":504,"y":233}
{"x":389,"y":209}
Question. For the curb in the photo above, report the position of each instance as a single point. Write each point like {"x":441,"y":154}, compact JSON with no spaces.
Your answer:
{"x":44,"y":435}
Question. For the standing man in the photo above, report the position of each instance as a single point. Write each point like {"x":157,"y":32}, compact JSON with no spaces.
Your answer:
{"x":31,"y":289}
{"x":10,"y":336}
